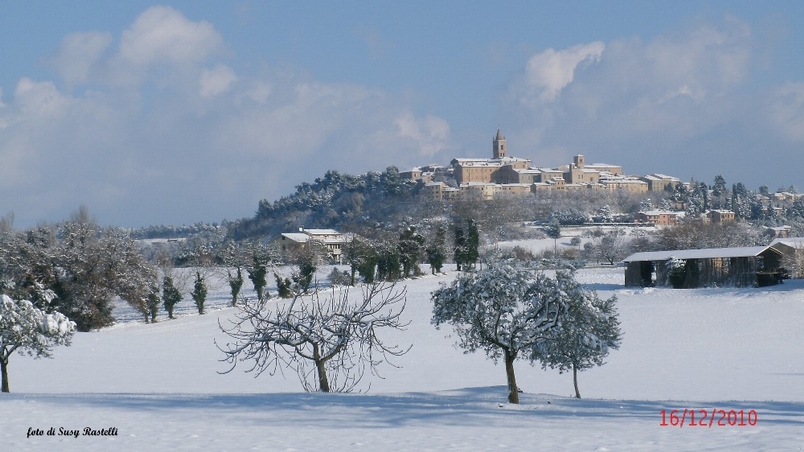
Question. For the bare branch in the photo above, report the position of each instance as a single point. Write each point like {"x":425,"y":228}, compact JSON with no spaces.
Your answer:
{"x":330,"y":343}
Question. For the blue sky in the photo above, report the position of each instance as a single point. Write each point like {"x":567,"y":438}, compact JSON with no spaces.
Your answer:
{"x":192,"y":111}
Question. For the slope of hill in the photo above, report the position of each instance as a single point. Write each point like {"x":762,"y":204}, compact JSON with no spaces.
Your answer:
{"x":702,"y":349}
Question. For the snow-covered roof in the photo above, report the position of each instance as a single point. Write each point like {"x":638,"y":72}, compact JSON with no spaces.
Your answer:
{"x":793,"y":242}
{"x":296,"y":236}
{"x":707,"y":253}
{"x":660,"y":212}
{"x":321,"y":232}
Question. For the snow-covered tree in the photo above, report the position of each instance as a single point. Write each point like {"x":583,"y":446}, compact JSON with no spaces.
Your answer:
{"x":170,"y":295}
{"x":330,"y":343}
{"x":435,"y":250}
{"x":29,"y":331}
{"x":410,"y":249}
{"x":467,"y":242}
{"x":304,"y":273}
{"x":153,"y":301}
{"x":235,"y":283}
{"x":585,"y":333}
{"x":256,"y":273}
{"x":199,"y":292}
{"x":503,"y":310}
{"x":85,"y":265}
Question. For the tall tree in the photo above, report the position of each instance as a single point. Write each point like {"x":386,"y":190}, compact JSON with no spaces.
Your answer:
{"x":410,"y":249}
{"x":467,"y":243}
{"x":199,"y":292}
{"x":257,"y":273}
{"x":170,"y":295}
{"x":235,"y":284}
{"x":435,"y":250}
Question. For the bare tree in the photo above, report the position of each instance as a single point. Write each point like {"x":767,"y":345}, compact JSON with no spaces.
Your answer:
{"x":329,"y":343}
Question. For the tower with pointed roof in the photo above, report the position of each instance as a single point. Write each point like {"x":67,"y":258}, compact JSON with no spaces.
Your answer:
{"x":499,"y":145}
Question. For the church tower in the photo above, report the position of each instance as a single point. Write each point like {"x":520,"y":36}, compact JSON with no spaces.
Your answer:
{"x":499,"y":145}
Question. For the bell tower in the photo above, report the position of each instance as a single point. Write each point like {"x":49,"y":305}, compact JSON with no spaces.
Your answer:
{"x":499,"y":146}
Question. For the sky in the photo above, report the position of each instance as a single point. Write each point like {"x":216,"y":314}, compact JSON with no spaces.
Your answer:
{"x":193,"y":111}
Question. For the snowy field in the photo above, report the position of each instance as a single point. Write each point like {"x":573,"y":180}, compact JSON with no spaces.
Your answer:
{"x":159,"y":385}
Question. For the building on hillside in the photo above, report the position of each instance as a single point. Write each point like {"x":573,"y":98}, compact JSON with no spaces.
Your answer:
{"x":658,"y":217}
{"x":578,"y":173}
{"x":630,"y":184}
{"x":714,"y":267}
{"x":720,"y":216}
{"x":479,"y":190}
{"x":469,"y":170}
{"x":329,"y":239}
{"x":660,"y":182}
{"x":779,"y":232}
{"x":548,"y":174}
{"x":440,"y":191}
{"x":510,"y":175}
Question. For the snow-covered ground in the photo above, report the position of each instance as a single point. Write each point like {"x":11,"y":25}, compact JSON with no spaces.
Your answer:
{"x":159,"y":384}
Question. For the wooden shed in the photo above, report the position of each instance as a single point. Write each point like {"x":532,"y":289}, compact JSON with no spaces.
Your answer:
{"x":713,"y":267}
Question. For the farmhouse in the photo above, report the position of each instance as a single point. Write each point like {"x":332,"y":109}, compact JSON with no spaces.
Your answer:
{"x":740,"y":267}
{"x":329,"y":239}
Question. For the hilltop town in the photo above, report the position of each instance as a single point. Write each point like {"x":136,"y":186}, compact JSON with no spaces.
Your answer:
{"x":503,"y":174}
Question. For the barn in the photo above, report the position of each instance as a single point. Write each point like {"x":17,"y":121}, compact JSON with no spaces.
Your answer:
{"x":712,"y":267}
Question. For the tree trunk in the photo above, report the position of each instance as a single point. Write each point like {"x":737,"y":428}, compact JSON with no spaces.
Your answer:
{"x":575,"y":381}
{"x":4,"y":371}
{"x":321,"y":366}
{"x":513,"y":390}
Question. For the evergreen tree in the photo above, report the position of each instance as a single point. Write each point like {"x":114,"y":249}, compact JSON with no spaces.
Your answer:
{"x":367,"y":263}
{"x":389,"y":264}
{"x":303,"y":276}
{"x":153,"y":301}
{"x":410,"y":249}
{"x":170,"y":295}
{"x":235,"y":283}
{"x":283,"y":285}
{"x":467,"y":242}
{"x":257,"y":274}
{"x":435,"y":251}
{"x":199,"y":292}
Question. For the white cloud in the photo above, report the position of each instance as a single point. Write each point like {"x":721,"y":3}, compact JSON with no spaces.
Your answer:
{"x":786,"y":111}
{"x":79,"y":55}
{"x":429,"y":134}
{"x":216,"y":81}
{"x":676,"y":86}
{"x":163,"y":34}
{"x":37,"y":99}
{"x":548,"y":72}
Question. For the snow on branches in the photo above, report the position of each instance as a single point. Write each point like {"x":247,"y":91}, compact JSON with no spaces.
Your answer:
{"x":585,"y":334}
{"x":330,"y":343}
{"x":28,"y":330}
{"x":511,"y":312}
